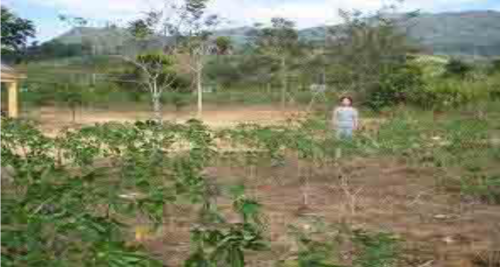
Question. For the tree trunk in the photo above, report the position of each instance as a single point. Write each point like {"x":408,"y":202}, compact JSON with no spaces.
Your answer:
{"x":311,"y":103}
{"x":199,"y":89}
{"x":156,"y":101}
{"x":157,"y":109}
{"x":73,"y":114}
{"x":283,"y":83}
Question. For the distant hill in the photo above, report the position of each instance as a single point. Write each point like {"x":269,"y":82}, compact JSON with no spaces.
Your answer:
{"x":460,"y":33}
{"x":106,"y":39}
{"x":465,"y":33}
{"x":240,"y":35}
{"x":81,"y":34}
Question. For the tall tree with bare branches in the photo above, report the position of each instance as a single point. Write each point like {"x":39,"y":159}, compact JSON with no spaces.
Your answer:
{"x":183,"y":30}
{"x":364,"y":46}
{"x":279,"y":42}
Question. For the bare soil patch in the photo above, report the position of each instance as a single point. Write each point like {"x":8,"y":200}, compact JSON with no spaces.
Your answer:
{"x":438,"y":229}
{"x":53,"y":119}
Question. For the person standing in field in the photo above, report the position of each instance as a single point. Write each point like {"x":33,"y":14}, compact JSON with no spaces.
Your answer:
{"x":345,"y":118}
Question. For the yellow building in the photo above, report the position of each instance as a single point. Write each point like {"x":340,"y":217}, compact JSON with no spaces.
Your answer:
{"x":10,"y":81}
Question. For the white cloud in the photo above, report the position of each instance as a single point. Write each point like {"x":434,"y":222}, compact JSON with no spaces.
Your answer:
{"x":95,"y":9}
{"x":249,"y":12}
{"x":243,"y":12}
{"x":309,"y":13}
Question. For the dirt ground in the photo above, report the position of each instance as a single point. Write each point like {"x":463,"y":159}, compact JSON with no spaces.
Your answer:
{"x":439,"y":228}
{"x":52,"y":119}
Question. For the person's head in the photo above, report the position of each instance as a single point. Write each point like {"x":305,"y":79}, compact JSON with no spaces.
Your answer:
{"x":346,"y":101}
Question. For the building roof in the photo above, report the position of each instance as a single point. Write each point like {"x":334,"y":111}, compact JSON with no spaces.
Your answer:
{"x":4,"y":66}
{"x":9,"y":74}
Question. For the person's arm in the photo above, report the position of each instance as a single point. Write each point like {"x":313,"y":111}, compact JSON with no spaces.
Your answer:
{"x":356,"y":119}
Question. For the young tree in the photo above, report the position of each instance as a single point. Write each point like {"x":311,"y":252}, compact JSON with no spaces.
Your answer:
{"x":280,"y":42}
{"x":182,"y":29}
{"x":364,"y":47}
{"x":197,"y":44}
{"x":224,"y":45}
{"x":15,"y":32}
{"x":156,"y":74}
{"x":72,"y":95}
{"x":223,"y":70}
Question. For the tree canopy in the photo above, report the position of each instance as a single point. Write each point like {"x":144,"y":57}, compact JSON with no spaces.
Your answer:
{"x":280,"y":39}
{"x":15,"y":31}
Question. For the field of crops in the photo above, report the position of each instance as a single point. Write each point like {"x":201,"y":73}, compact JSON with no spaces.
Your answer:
{"x":410,"y":190}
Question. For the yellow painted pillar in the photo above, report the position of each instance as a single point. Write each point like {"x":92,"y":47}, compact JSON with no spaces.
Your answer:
{"x":13,"y":104}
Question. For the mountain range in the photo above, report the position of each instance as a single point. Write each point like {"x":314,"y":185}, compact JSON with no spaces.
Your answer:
{"x":459,"y":33}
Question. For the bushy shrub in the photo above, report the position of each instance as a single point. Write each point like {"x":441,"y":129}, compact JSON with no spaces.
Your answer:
{"x":494,"y":86}
{"x":177,"y":99}
{"x":495,"y":65}
{"x":322,"y":244}
{"x":397,"y":85}
{"x":451,"y":93}
{"x":38,"y":94}
{"x":457,"y":67}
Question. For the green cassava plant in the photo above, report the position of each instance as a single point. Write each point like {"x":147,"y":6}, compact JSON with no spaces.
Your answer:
{"x":226,"y":243}
{"x":71,"y":197}
{"x":55,"y":216}
{"x":338,"y":245}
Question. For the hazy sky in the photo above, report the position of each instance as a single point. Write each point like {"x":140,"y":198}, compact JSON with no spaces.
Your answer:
{"x":305,"y":13}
